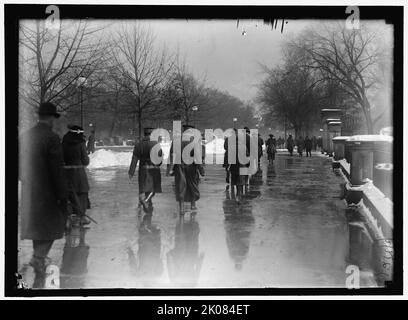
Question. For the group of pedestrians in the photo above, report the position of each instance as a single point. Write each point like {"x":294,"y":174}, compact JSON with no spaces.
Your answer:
{"x":186,"y":175}
{"x":54,"y":185}
{"x":302,"y":144}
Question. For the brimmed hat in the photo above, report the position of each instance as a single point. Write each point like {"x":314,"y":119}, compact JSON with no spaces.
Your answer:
{"x":48,"y":108}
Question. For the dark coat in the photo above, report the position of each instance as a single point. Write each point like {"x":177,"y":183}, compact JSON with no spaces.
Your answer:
{"x":74,"y":150}
{"x":186,"y":176}
{"x":308,"y":144}
{"x":91,"y":143}
{"x":149,"y":178}
{"x":43,"y":184}
{"x":290,"y":143}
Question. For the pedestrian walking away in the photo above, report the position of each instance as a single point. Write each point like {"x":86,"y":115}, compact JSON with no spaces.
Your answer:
{"x":44,"y":190}
{"x":91,"y":142}
{"x":290,"y":143}
{"x":239,"y":180}
{"x":76,"y":159}
{"x":187,"y":176}
{"x":308,"y":146}
{"x":271,"y":148}
{"x":149,"y":176}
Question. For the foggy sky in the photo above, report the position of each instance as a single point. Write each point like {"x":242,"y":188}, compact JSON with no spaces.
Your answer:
{"x":218,"y":51}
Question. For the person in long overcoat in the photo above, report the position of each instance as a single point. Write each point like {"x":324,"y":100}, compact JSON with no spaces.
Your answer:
{"x":300,"y":145}
{"x":271,"y":148}
{"x":43,"y":188}
{"x":308,"y":146}
{"x":187,"y":176}
{"x":149,"y":172}
{"x":290,"y":143}
{"x":76,"y":159}
{"x":237,"y":179}
{"x":91,"y":143}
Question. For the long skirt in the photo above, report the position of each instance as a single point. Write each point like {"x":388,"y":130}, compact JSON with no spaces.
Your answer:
{"x":80,"y":202}
{"x":187,"y":180}
{"x":149,"y":180}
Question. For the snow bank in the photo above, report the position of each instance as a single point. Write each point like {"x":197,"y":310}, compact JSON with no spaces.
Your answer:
{"x":341,"y":138}
{"x":103,"y":158}
{"x":215,"y":146}
{"x":107,"y":158}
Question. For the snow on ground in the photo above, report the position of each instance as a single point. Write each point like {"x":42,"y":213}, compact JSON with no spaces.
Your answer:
{"x":107,"y":158}
{"x":215,"y":146}
{"x":345,"y":165}
{"x":103,"y":158}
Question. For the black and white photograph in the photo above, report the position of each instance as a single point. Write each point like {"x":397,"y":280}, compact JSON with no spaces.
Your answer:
{"x":232,"y":148}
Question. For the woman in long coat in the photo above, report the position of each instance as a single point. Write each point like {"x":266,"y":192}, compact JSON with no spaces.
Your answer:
{"x":76,"y":159}
{"x":187,"y":177}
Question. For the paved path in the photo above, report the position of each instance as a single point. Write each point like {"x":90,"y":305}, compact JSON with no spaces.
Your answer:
{"x":290,"y":232}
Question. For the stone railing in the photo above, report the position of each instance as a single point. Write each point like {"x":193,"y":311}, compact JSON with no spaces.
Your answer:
{"x":366,"y":164}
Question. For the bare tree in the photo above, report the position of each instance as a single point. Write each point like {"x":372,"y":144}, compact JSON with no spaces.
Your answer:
{"x":348,"y":57}
{"x":52,"y":60}
{"x":289,"y":95}
{"x":193,"y":96}
{"x":143,"y":67}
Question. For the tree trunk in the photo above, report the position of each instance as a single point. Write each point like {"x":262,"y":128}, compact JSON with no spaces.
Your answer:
{"x":187,"y":117}
{"x":367,"y":115}
{"x":139,"y":119}
{"x":115,"y":114}
{"x":112,"y":128}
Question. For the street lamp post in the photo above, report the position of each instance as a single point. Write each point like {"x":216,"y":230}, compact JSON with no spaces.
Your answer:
{"x":234,"y":121}
{"x":195,"y":109}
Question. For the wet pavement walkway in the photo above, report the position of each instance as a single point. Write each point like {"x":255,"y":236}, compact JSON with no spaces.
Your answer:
{"x":291,"y":231}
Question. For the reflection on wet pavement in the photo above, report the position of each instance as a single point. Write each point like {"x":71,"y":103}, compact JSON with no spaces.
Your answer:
{"x":147,"y":263}
{"x":74,"y":259}
{"x":289,"y":231}
{"x":184,"y":261}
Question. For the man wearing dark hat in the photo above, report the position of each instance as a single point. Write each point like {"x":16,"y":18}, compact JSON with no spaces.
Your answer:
{"x":149,"y":173}
{"x":187,"y":176}
{"x":43,"y":189}
{"x":76,"y":159}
